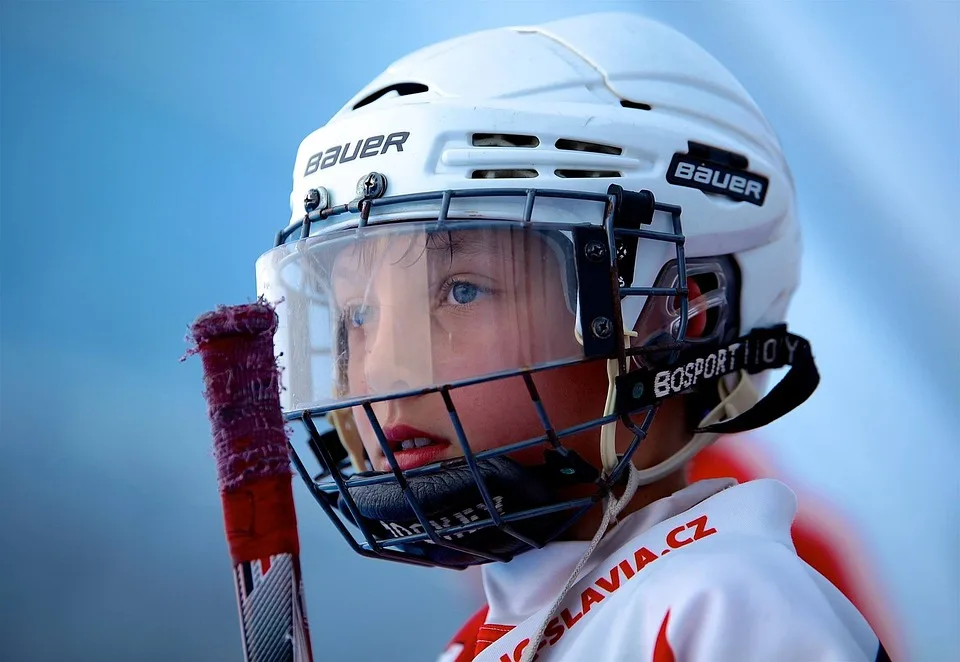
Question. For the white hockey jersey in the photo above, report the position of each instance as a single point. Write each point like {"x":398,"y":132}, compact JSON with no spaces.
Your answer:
{"x":709,"y":574}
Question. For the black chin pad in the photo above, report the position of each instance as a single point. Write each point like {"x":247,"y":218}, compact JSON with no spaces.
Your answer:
{"x":451,"y":489}
{"x":450,"y":498}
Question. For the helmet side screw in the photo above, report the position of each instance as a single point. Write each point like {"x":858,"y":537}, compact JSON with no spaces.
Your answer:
{"x":601,"y":327}
{"x":373,"y":185}
{"x":316,"y":198}
{"x":595,"y":251}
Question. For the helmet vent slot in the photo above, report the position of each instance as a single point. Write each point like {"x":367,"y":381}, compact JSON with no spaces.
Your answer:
{"x":586,"y":174}
{"x":504,"y":140}
{"x":512,"y":173}
{"x":401,"y":89}
{"x":635,"y":105}
{"x":581,"y":146}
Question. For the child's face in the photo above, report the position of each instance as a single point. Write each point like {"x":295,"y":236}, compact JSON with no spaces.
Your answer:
{"x":418,"y":310}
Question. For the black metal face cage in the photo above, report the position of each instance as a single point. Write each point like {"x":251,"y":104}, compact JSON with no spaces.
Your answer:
{"x":605,"y":257}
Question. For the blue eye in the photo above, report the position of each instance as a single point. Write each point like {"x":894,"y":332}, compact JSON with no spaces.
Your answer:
{"x":357,"y":317}
{"x":464,"y":293}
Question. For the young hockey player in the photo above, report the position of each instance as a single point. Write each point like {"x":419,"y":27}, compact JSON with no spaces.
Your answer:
{"x":530,"y":273}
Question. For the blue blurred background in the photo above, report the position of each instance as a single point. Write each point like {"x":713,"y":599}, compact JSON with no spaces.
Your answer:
{"x":147,"y":150}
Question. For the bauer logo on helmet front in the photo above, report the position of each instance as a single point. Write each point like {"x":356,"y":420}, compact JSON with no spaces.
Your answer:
{"x":363,"y":148}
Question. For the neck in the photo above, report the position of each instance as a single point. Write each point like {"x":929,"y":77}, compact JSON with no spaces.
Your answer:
{"x":586,"y":527}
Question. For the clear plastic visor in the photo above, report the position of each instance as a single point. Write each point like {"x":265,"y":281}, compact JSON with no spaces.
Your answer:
{"x":388,"y":309}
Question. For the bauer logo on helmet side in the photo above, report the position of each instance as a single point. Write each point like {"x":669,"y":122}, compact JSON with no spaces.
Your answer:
{"x":363,"y":148}
{"x":711,"y":177}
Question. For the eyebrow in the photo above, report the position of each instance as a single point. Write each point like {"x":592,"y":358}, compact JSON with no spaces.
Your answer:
{"x":461,"y":242}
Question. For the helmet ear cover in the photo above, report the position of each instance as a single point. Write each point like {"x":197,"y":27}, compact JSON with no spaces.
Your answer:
{"x":698,"y":323}
{"x":700,"y":401}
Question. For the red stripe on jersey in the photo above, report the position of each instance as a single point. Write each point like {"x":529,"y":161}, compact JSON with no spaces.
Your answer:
{"x":488,"y":634}
{"x":467,"y":635}
{"x":662,"y":652}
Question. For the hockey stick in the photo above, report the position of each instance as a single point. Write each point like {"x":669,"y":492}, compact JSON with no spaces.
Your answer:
{"x":242,"y":389}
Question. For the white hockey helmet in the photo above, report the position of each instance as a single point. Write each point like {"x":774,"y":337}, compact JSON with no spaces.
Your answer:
{"x":608,"y":126}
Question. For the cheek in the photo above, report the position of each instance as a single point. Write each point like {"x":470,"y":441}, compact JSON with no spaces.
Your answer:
{"x":498,"y":413}
{"x":479,"y":345}
{"x":573,"y":396}
{"x":369,"y":439}
{"x":548,"y":330}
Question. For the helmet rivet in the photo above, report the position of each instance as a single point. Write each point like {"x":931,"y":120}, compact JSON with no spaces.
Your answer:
{"x":316,"y":198}
{"x":602,"y":327}
{"x":373,"y":185}
{"x":568,"y":471}
{"x":637,"y":391}
{"x":595,"y":251}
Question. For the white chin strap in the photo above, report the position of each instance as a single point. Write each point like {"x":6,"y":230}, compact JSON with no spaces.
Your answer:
{"x":733,"y":402}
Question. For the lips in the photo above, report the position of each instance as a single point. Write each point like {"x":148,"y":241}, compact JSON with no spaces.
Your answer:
{"x":412,"y":447}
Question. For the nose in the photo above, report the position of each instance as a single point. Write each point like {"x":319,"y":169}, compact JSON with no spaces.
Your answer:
{"x":399,"y":355}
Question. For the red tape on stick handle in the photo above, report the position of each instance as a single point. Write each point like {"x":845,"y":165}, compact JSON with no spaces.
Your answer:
{"x":260,"y":519}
